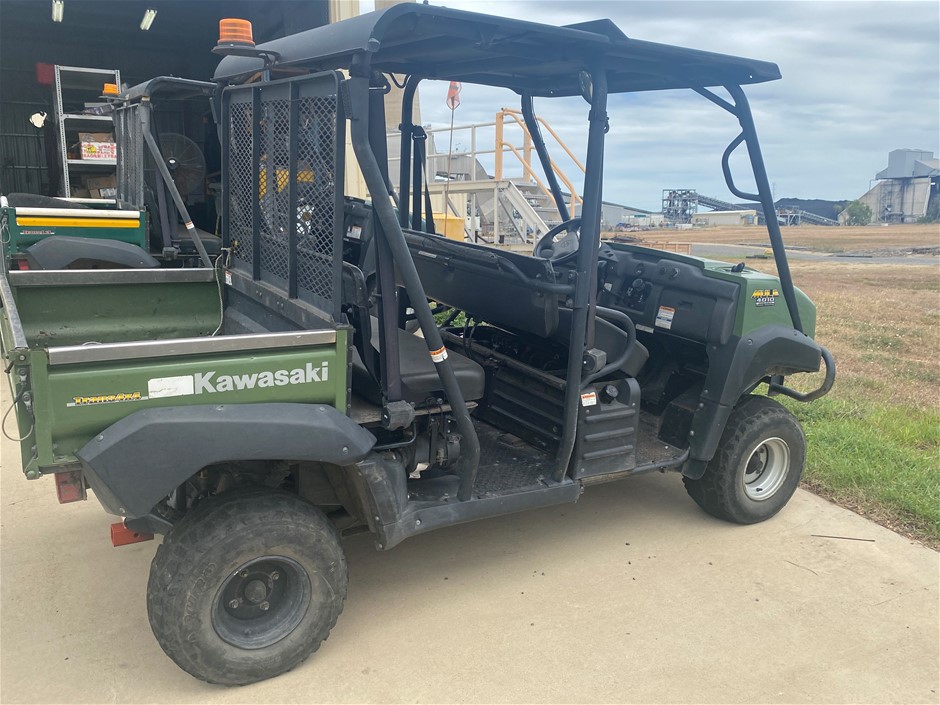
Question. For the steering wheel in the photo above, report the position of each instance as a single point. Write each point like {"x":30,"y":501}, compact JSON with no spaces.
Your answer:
{"x":560,"y":244}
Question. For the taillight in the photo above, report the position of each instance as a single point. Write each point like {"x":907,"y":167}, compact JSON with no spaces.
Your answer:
{"x":70,"y":487}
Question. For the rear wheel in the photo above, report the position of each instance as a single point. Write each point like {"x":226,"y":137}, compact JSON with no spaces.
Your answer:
{"x":758,"y":464}
{"x":246,"y":586}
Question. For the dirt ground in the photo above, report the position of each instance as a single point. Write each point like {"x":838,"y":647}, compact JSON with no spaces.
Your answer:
{"x":819,"y":237}
{"x":881,"y":323}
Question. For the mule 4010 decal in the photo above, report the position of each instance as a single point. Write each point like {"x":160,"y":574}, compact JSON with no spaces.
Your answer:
{"x":765,"y":297}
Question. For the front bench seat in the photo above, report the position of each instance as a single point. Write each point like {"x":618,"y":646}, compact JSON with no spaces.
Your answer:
{"x":419,"y":380}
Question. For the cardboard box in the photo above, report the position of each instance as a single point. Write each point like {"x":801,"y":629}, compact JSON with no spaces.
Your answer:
{"x":98,"y":150}
{"x":100,"y":182}
{"x":97,"y":145}
{"x":101,"y":186}
{"x":95,"y":137}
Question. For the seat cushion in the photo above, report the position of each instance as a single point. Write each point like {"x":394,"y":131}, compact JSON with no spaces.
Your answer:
{"x":419,"y":380}
{"x":212,"y":243}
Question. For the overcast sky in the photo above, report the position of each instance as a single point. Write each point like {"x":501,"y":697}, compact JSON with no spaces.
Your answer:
{"x":859,"y":79}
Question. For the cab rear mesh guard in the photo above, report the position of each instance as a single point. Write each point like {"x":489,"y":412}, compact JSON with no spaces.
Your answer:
{"x":130,"y":155}
{"x":283,"y":148}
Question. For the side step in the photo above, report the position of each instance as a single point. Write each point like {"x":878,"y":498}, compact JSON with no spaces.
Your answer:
{"x":417,"y":517}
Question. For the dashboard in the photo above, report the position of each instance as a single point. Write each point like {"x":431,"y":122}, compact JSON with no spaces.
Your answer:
{"x":667,"y":295}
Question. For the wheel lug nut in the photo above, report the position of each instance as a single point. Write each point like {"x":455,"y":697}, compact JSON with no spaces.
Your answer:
{"x":264,"y":606}
{"x":275,"y":575}
{"x":243,"y":574}
{"x":233,"y":604}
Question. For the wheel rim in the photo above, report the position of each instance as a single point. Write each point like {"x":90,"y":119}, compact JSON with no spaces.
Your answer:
{"x":261,"y":602}
{"x":766,"y":469}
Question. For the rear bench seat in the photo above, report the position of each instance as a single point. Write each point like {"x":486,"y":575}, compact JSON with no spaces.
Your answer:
{"x":419,"y":380}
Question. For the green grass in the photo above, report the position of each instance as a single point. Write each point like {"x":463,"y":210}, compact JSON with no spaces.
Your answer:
{"x":878,"y":458}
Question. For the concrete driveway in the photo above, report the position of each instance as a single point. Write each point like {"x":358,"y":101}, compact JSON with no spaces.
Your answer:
{"x":631,"y":595}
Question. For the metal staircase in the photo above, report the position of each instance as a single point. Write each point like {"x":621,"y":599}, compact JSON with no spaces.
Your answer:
{"x":504,"y":207}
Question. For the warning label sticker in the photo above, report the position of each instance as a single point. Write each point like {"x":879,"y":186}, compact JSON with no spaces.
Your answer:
{"x":664,"y":317}
{"x":589,"y":399}
{"x":439,"y":355}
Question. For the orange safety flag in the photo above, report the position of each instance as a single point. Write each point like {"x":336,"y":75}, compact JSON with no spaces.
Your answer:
{"x":453,"y":95}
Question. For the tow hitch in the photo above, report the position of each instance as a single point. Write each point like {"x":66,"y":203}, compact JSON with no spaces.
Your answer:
{"x":122,"y":536}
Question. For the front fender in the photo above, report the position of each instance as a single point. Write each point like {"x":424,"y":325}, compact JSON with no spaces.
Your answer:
{"x":142,"y":458}
{"x":734,"y":370}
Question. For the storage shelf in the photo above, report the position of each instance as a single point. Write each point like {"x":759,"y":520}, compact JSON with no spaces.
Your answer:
{"x":77,"y":117}
{"x":93,"y":163}
{"x":83,"y":86}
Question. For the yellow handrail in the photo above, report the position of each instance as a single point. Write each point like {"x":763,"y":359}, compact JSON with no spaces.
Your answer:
{"x":527,"y":168}
{"x":575,"y":198}
{"x":553,"y":134}
{"x":502,"y":145}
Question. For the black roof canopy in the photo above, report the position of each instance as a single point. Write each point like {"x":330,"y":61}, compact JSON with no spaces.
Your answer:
{"x":441,"y":43}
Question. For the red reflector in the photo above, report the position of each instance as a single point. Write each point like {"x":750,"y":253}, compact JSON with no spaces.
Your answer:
{"x":22,"y":265}
{"x":122,"y":536}
{"x":70,"y":487}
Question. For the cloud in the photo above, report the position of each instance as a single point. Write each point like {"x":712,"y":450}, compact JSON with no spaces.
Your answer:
{"x":859,"y":79}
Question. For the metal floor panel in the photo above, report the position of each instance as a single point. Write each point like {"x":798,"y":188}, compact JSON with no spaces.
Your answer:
{"x":649,"y":449}
{"x":508,"y":463}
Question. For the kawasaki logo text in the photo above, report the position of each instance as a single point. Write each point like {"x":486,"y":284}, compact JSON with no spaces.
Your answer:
{"x":212,"y":382}
{"x":207,"y":382}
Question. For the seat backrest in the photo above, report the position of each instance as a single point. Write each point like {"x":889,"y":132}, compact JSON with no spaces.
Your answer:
{"x":476,"y":279}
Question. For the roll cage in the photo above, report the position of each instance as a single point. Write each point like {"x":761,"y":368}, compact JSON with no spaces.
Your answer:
{"x":534,"y":60}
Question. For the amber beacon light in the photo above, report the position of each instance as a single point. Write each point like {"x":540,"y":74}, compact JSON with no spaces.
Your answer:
{"x":235,"y":33}
{"x":235,"y":39}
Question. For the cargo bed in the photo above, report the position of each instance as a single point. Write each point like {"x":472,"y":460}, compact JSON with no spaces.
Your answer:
{"x":84,"y":349}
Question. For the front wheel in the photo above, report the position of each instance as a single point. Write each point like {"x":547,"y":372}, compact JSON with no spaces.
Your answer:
{"x":246,"y":586}
{"x":758,"y":464}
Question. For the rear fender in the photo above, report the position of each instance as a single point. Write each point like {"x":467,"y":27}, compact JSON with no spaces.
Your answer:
{"x":142,"y":458}
{"x":63,"y":251}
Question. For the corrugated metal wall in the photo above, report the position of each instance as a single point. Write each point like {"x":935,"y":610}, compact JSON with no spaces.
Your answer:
{"x":22,"y":155}
{"x":106,"y":34}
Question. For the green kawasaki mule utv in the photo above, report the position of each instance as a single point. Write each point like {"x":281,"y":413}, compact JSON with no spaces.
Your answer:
{"x":255,"y":411}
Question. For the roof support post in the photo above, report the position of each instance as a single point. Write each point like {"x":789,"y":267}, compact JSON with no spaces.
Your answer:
{"x":528,"y":114}
{"x":469,"y":460}
{"x":582,"y":314}
{"x":386,"y":289}
{"x":742,"y":111}
{"x":405,"y":130}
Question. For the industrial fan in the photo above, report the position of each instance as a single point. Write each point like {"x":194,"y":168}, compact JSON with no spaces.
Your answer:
{"x":185,"y":161}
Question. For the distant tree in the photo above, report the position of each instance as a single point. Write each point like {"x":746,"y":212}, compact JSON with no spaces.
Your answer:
{"x":857,"y":213}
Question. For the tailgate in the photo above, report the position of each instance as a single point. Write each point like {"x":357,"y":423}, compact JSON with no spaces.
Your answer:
{"x":80,"y":390}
